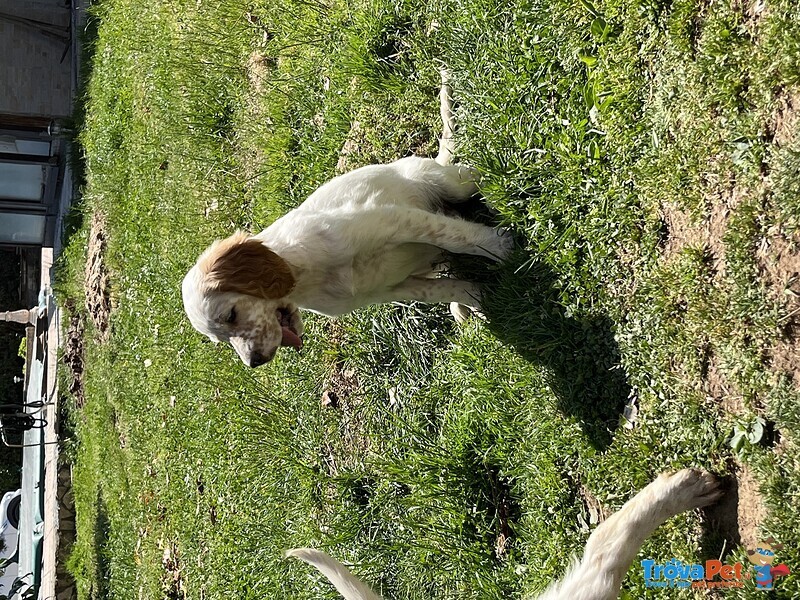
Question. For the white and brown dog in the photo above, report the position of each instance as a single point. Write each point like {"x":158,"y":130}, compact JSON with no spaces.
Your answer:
{"x":609,"y":551}
{"x":371,"y":236}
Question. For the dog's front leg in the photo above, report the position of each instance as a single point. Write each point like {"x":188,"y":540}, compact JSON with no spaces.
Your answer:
{"x":616,"y":542}
{"x":458,"y":236}
{"x":421,"y":289}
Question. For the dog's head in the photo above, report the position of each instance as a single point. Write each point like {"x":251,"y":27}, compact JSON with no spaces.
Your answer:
{"x":237,"y":293}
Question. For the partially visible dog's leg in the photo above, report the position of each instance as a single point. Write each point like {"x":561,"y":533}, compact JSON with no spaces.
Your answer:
{"x":609,"y":551}
{"x":444,"y":289}
{"x":462,"y":312}
{"x":616,"y":542}
{"x":339,"y":575}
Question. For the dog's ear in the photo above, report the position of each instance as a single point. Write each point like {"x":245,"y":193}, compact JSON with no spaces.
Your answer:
{"x":244,"y":265}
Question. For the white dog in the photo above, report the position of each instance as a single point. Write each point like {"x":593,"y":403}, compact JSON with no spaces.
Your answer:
{"x":371,"y":236}
{"x":609,"y":551}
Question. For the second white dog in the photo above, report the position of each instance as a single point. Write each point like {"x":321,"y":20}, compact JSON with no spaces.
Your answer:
{"x":609,"y":552}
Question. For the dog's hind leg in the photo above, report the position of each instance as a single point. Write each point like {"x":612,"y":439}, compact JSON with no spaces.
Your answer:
{"x":616,"y":542}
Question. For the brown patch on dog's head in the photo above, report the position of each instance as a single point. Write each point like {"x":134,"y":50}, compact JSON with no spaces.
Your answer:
{"x":244,"y":265}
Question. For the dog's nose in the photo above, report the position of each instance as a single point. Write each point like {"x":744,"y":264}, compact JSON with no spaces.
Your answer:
{"x":257,"y":359}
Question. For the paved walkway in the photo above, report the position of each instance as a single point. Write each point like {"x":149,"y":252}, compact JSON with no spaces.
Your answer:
{"x":58,"y":513}
{"x":47,"y":521}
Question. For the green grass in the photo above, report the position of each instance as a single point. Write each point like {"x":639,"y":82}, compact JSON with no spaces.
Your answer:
{"x":596,"y":127}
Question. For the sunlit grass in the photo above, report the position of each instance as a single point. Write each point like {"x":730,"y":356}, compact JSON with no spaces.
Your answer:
{"x":589,"y":123}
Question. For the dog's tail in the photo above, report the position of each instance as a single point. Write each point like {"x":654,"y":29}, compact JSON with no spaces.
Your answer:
{"x":339,"y":575}
{"x":446,"y":144}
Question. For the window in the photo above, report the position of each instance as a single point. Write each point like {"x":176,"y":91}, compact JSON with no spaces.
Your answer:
{"x":18,"y":228}
{"x":19,"y":181}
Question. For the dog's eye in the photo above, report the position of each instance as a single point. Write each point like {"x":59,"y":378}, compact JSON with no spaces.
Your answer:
{"x":231,"y":316}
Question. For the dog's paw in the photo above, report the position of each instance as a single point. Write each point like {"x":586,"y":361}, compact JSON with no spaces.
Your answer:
{"x":504,"y":243}
{"x":468,"y":174}
{"x":463,"y":312}
{"x":688,"y":489}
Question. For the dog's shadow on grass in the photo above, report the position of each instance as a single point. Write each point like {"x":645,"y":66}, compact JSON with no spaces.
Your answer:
{"x":580,"y":354}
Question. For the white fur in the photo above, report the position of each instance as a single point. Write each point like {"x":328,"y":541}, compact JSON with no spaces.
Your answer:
{"x":609,"y":551}
{"x":374,"y":235}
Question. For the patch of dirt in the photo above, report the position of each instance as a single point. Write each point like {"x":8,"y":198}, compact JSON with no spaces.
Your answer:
{"x":73,"y":354}
{"x":258,"y":67}
{"x":341,"y":394}
{"x":260,"y":71}
{"x":713,"y":383}
{"x":779,"y":259}
{"x":683,"y":232}
{"x":779,"y":256}
{"x":96,"y":279}
{"x":172,"y":583}
{"x":751,"y":510}
{"x":715,"y":386}
{"x":594,"y":508}
{"x":505,"y":510}
{"x":342,"y":384}
{"x":785,"y":122}
{"x":753,"y":13}
{"x":348,"y":155}
{"x":738,"y":516}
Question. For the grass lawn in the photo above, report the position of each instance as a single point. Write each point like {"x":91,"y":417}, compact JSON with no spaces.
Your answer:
{"x":647,"y":156}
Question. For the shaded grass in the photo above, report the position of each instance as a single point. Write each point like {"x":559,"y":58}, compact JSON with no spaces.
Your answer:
{"x":457,"y":459}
